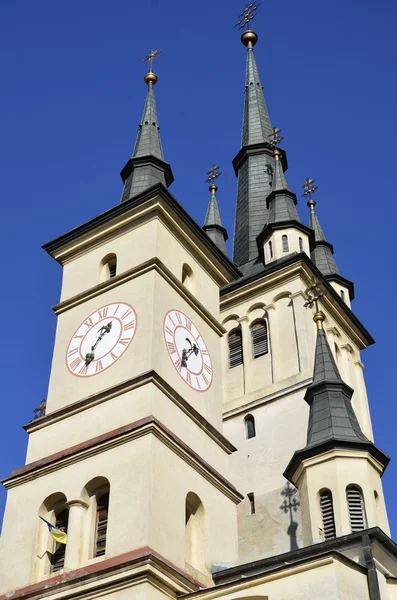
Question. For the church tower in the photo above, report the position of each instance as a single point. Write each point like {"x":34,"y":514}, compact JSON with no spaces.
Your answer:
{"x":207,"y":431}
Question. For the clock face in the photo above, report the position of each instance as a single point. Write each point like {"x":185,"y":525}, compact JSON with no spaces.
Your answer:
{"x":187,"y":350}
{"x":101,"y":339}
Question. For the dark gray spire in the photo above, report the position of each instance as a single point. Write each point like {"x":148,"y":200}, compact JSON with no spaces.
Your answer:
{"x":212,"y":224}
{"x":281,"y":201}
{"x":323,"y":252}
{"x":332,"y":421}
{"x":254,"y":164}
{"x":146,"y":167}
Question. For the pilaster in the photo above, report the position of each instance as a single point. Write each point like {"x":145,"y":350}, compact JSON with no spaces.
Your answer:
{"x":74,"y":546}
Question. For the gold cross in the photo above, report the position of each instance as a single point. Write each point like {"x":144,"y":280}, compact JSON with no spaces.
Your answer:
{"x":247,"y":15}
{"x":213,"y":174}
{"x":152,"y":54}
{"x":309,"y":188}
{"x":275,"y":138}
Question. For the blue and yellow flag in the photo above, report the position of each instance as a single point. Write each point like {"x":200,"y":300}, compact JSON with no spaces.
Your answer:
{"x":58,"y":535}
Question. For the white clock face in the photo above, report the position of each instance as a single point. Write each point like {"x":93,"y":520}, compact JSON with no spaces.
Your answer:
{"x":187,"y":350}
{"x":101,"y":339}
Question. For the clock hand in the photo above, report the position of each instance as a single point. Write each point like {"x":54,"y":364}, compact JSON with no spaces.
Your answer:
{"x":89,"y":357}
{"x":186,"y":353}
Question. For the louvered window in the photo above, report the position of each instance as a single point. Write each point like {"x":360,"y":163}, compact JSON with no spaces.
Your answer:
{"x":102,"y":525}
{"x":355,"y":505}
{"x":259,"y":339}
{"x":58,"y":555}
{"x":250,"y":430}
{"x":235,"y":348}
{"x":284,"y":240}
{"x":300,"y":245}
{"x":112,"y":268}
{"x":327,"y":514}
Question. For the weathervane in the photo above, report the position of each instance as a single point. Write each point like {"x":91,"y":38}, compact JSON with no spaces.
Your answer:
{"x":152,"y":54}
{"x":247,"y":15}
{"x":40,"y":410}
{"x":213,"y":174}
{"x":309,"y":188}
{"x":313,"y":294}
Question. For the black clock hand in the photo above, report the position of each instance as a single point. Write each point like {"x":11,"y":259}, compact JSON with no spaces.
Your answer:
{"x":186,"y":353}
{"x":89,"y":357}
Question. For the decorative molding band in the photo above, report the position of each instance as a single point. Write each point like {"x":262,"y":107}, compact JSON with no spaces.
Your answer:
{"x":152,"y":264}
{"x":126,"y":565}
{"x":335,"y":454}
{"x":150,"y":377}
{"x":122,"y":435}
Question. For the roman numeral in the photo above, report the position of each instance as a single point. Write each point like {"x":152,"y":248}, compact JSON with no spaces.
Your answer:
{"x":204,"y":352}
{"x":75,"y":364}
{"x":89,"y":322}
{"x":170,"y":318}
{"x":171,"y":347}
{"x":84,"y":369}
{"x":178,"y":364}
{"x":178,"y":316}
{"x":124,"y":341}
{"x":103,"y":312}
{"x":198,"y":383}
{"x":117,"y":308}
{"x":114,"y":356}
{"x":208,"y":368}
{"x":205,"y":379}
{"x":72,"y":352}
{"x":98,"y":366}
{"x":188,"y":324}
{"x":127,"y":313}
{"x":130,"y":325}
{"x":80,"y":337}
{"x":188,"y":378}
{"x":169,"y":331}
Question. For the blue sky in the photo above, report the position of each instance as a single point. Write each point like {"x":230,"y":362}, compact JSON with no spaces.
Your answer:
{"x":71,"y":99}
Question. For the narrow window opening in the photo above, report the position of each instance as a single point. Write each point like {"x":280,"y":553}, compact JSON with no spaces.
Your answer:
{"x":235,"y":348}
{"x":194,"y":531}
{"x":355,"y":505}
{"x":270,"y":250}
{"x":285,"y":243}
{"x":250,"y":429}
{"x":300,"y":244}
{"x":187,"y":277}
{"x":59,"y":550}
{"x":101,"y":524}
{"x":251,"y":499}
{"x":108,"y":267}
{"x":327,"y":515}
{"x":259,"y":339}
{"x":342,"y":295}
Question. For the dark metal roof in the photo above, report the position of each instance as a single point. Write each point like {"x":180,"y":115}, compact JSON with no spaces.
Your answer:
{"x":213,"y":225}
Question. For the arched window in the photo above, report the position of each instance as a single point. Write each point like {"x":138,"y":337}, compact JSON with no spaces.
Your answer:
{"x":102,"y":509}
{"x":270,"y":250}
{"x":269,"y":173}
{"x":355,"y":506}
{"x":108,"y":267}
{"x":327,"y":514}
{"x":300,"y":245}
{"x":235,"y":343}
{"x":284,"y":240}
{"x":250,"y":430}
{"x":259,"y":339}
{"x":342,"y":295}
{"x":194,"y":532}
{"x":187,"y":277}
{"x":251,"y":499}
{"x":59,"y":550}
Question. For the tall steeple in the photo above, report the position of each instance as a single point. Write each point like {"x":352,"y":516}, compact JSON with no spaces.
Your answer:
{"x":254,"y":164}
{"x":212,"y":224}
{"x":146,"y":167}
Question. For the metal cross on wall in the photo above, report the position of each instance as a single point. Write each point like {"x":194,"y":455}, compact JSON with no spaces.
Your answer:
{"x":152,"y":54}
{"x":213,"y":174}
{"x":247,"y":15}
{"x":40,"y":410}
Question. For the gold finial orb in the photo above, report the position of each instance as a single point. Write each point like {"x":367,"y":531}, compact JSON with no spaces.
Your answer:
{"x":150,"y":78}
{"x":311,"y":204}
{"x":213,"y":188}
{"x":249,"y":38}
{"x":319,"y":319}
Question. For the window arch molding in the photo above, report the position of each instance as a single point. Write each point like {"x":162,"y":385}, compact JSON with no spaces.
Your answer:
{"x":54,"y":510}
{"x":96,"y":494}
{"x":259,"y":331}
{"x":250,"y":426}
{"x":195,"y":535}
{"x":108,"y":267}
{"x":327,"y":514}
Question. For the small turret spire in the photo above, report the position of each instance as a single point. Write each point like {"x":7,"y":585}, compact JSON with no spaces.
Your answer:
{"x":281,"y":201}
{"x":212,"y":224}
{"x":147,"y":167}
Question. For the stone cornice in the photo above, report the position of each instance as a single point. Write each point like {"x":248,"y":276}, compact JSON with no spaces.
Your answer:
{"x":119,"y":571}
{"x":152,"y":264}
{"x":297,"y":266}
{"x":122,"y":435}
{"x":157,"y":202}
{"x":147,"y":378}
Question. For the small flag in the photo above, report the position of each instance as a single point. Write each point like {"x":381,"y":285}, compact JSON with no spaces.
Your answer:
{"x":58,"y":535}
